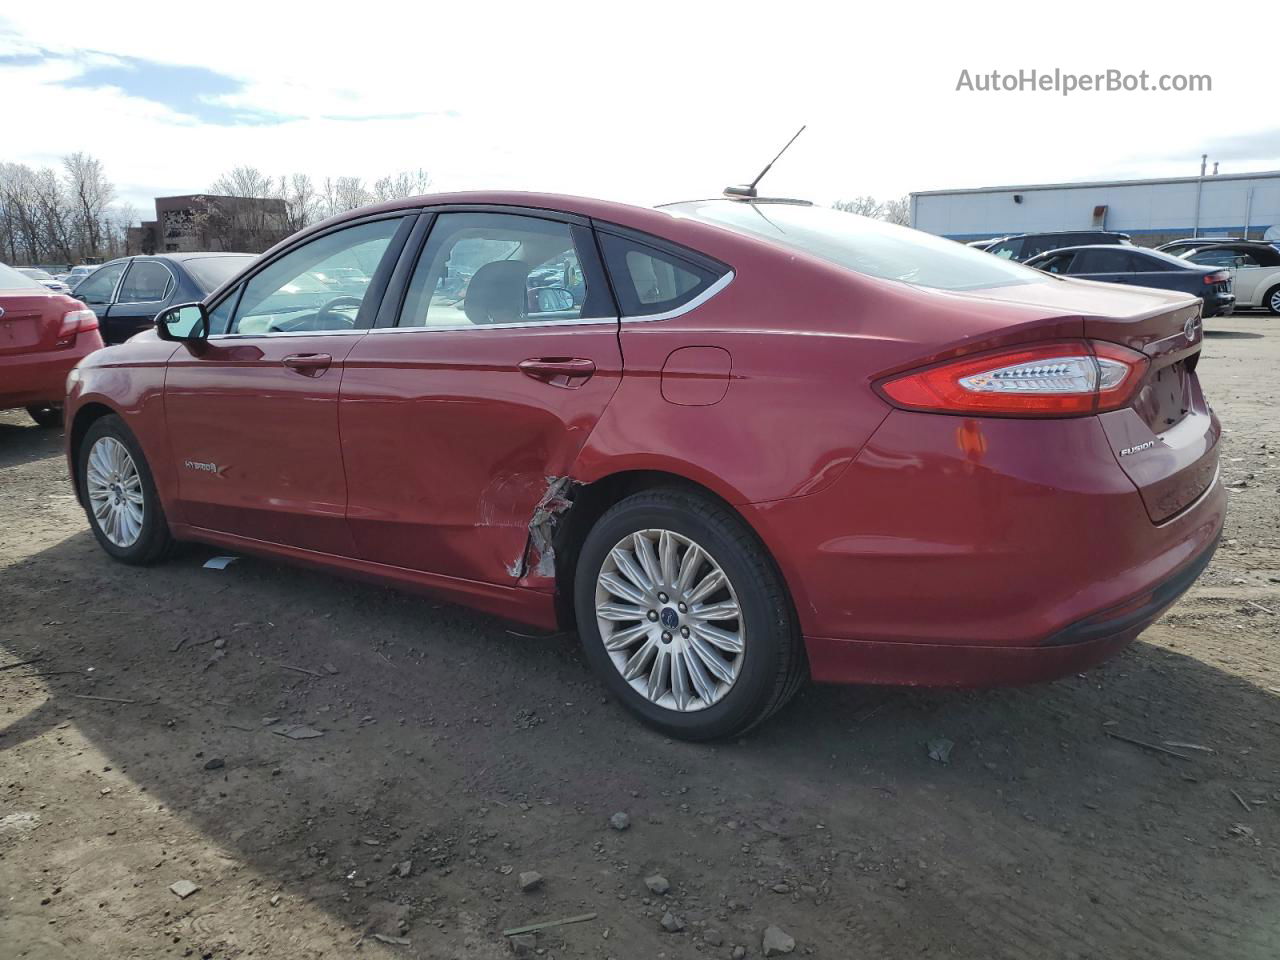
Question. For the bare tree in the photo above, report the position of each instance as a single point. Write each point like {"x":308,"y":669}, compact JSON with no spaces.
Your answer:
{"x":407,"y":183}
{"x":91,"y":192}
{"x":891,"y":211}
{"x":301,"y":202}
{"x":898,"y":211}
{"x":865,"y":206}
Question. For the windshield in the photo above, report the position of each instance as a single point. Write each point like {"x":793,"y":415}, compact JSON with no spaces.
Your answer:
{"x":873,"y":247}
{"x":11,"y":279}
{"x":212,"y":272}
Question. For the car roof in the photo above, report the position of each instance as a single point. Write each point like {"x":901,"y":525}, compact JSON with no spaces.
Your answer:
{"x":1058,"y":233}
{"x":1145,"y":251}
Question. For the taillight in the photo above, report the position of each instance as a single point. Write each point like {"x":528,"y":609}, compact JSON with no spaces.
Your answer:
{"x":1222,"y":276}
{"x":77,"y":321}
{"x":1048,"y":380}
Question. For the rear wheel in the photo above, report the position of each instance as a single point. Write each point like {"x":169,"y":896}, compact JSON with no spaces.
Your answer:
{"x":1272,"y":300}
{"x":119,"y":494}
{"x":685,"y":617}
{"x":48,"y":416}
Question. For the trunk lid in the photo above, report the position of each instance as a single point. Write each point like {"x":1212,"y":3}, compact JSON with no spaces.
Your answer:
{"x":1166,"y":439}
{"x":30,"y":321}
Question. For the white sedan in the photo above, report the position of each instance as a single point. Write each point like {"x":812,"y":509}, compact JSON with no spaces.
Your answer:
{"x":1255,"y":271}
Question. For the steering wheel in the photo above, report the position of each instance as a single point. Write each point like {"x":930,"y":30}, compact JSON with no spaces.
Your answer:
{"x":325,"y":311}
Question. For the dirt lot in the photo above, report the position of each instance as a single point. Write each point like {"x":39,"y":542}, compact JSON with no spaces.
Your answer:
{"x":138,"y":751}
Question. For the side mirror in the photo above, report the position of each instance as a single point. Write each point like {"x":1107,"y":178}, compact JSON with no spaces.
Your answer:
{"x":185,"y":323}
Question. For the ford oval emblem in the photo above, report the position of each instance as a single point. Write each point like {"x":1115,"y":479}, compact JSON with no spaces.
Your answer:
{"x":1189,"y":330}
{"x":670,"y":619}
{"x":1,"y":311}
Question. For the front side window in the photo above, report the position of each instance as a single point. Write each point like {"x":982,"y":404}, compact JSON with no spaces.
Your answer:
{"x":147,"y":281}
{"x":1006,"y":249}
{"x":99,"y":285}
{"x":866,"y":246}
{"x":1058,"y":263}
{"x":481,"y":269}
{"x":297,"y":293}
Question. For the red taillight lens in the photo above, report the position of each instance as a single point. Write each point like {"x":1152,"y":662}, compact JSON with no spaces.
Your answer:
{"x":1222,"y":276}
{"x":1048,"y":380}
{"x":77,"y":321}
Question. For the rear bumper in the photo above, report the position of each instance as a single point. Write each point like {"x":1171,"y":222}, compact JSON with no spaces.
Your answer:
{"x":1075,"y":647}
{"x":40,"y":379}
{"x":973,"y":551}
{"x":1219,"y":305}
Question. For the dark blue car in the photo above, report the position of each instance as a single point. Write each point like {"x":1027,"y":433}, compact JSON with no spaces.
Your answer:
{"x":126,"y":294}
{"x":1142,"y":268}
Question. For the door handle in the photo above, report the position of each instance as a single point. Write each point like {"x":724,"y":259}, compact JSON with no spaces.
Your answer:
{"x":308,"y":364}
{"x":566,"y":372}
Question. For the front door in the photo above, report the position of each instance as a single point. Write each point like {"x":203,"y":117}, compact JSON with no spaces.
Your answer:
{"x":98,"y":290}
{"x":457,"y":420}
{"x":253,"y":413}
{"x":142,"y":294}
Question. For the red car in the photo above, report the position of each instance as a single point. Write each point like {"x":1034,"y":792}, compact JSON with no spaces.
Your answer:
{"x":761,"y":441}
{"x":43,"y":335}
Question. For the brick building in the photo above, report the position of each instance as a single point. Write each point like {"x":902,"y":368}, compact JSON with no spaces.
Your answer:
{"x":205,"y":221}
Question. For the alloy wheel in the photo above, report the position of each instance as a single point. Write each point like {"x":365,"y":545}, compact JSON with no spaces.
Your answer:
{"x":670,"y":620}
{"x":115,"y":491}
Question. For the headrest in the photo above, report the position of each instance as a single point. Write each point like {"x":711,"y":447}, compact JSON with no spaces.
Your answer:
{"x":498,"y":293}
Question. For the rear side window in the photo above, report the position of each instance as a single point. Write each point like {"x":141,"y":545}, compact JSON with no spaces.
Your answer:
{"x":147,"y":281}
{"x":1102,"y":261}
{"x":11,"y":279}
{"x":1059,"y":263}
{"x":649,"y":280}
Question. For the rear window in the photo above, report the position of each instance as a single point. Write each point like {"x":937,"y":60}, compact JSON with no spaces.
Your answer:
{"x":11,"y":279}
{"x":212,"y":272}
{"x":867,"y":246}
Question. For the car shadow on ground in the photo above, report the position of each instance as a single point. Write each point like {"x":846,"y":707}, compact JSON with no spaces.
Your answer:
{"x":452,"y":742}
{"x":1231,"y":335}
{"x":25,"y":443}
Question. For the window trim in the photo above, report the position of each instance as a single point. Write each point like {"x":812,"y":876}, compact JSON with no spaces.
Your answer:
{"x":388,"y":318}
{"x":170,"y":287}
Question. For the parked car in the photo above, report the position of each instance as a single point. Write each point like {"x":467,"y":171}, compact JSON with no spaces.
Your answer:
{"x":1142,"y":268}
{"x":1178,"y":247}
{"x":44,"y":278}
{"x":1254,"y":269}
{"x":43,"y":334}
{"x":78,"y":273}
{"x":126,"y":294}
{"x":773,"y":442}
{"x":1023,"y":246}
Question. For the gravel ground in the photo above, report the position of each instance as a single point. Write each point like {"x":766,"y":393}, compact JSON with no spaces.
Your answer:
{"x":147,"y":746}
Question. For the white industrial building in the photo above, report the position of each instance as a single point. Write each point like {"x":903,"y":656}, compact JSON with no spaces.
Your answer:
{"x":1151,"y":211}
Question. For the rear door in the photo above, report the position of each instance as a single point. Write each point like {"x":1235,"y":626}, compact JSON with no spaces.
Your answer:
{"x":143,"y":292}
{"x":464,"y":407}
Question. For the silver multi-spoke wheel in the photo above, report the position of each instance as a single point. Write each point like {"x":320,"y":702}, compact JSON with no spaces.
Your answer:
{"x":115,"y":491}
{"x":1275,"y":301}
{"x":670,"y":620}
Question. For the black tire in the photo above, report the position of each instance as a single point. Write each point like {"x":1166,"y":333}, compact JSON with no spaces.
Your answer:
{"x":773,"y":664}
{"x":48,"y":417}
{"x":1271,"y":300}
{"x":154,"y":541}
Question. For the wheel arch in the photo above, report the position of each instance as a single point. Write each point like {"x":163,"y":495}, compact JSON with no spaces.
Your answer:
{"x":87,"y":414}
{"x":592,"y":500}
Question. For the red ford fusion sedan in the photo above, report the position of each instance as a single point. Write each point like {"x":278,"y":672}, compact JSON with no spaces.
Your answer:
{"x":43,"y":334}
{"x":735,"y":443}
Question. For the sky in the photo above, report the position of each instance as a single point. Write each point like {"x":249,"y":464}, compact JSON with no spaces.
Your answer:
{"x":641,"y":102}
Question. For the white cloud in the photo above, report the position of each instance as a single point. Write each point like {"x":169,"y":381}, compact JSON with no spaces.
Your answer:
{"x":643,"y":102}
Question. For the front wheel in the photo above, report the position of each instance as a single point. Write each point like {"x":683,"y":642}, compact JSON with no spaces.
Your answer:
{"x":685,"y":616}
{"x":119,"y":494}
{"x":47,"y":416}
{"x":1272,"y":300}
